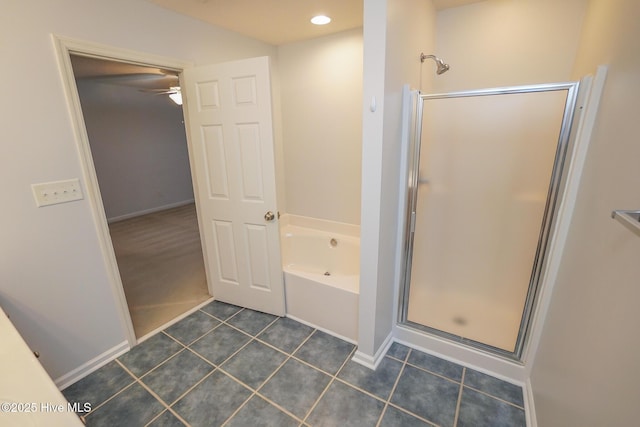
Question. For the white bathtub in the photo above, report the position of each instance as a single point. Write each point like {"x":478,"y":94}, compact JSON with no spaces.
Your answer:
{"x":321,"y":263}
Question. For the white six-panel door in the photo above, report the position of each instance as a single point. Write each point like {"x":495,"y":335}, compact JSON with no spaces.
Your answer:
{"x":230,"y":135}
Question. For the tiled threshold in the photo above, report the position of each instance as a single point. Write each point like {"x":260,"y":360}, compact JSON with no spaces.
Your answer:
{"x":224,"y":365}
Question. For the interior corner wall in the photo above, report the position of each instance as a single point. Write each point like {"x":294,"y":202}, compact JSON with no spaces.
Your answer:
{"x":139,"y":149}
{"x":395,"y":34}
{"x":411,"y":29}
{"x":321,"y":94}
{"x":55,"y":284}
{"x":496,"y":43}
{"x":585,"y":372}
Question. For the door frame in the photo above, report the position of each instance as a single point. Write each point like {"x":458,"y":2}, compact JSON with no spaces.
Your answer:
{"x":64,"y":47}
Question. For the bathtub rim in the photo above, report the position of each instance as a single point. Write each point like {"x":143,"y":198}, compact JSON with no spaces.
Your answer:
{"x":317,"y":224}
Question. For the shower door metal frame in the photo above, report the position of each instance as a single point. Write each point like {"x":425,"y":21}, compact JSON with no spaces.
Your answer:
{"x":554,"y":195}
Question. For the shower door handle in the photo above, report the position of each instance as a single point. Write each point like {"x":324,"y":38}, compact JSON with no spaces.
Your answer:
{"x":269,"y":216}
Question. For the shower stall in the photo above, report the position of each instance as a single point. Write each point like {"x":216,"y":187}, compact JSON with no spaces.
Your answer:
{"x":485,"y":175}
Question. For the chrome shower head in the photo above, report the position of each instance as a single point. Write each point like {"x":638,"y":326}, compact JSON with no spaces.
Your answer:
{"x":441,"y":66}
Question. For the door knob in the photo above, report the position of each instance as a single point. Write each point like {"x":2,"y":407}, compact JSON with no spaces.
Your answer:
{"x":269,"y":216}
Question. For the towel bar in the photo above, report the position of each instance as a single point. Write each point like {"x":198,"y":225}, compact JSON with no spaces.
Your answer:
{"x":630,"y":219}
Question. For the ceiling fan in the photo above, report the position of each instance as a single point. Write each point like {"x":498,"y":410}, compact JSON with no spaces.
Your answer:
{"x":144,"y":78}
{"x":173,"y":91}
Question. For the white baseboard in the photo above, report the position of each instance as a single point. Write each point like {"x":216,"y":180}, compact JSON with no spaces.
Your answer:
{"x":372,"y":362}
{"x":149,"y":211}
{"x":97,"y":362}
{"x":114,"y":352}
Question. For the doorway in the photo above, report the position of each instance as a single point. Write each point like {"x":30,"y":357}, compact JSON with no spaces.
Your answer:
{"x":139,"y":151}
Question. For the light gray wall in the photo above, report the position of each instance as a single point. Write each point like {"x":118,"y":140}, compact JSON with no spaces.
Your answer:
{"x":585,"y":372}
{"x":53,"y":279}
{"x":139,"y":148}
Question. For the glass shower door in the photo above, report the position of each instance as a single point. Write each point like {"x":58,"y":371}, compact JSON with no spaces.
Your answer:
{"x":485,"y":182}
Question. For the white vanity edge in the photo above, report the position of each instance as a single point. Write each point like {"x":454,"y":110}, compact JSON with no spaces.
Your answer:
{"x":26,"y":387}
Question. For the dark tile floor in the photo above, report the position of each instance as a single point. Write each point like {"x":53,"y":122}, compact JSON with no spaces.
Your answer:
{"x":224,"y":365}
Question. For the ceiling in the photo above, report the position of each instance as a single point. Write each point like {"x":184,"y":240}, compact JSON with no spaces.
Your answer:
{"x":282,"y":21}
{"x":286,"y":23}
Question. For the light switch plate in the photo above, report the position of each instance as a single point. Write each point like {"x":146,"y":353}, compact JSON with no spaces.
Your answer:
{"x":51,"y":193}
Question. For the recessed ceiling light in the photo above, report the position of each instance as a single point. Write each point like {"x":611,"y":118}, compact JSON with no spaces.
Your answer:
{"x":320,"y":20}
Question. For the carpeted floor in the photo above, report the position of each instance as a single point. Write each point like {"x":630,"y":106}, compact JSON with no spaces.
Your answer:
{"x":160,"y":260}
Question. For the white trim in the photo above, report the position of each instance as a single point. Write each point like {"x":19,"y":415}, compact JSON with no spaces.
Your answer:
{"x":92,"y":365}
{"x":67,"y":45}
{"x":64,"y":46}
{"x":320,"y":224}
{"x":118,"y":350}
{"x":149,"y":211}
{"x":529,"y":406}
{"x":595,"y":87}
{"x":466,"y":364}
{"x":478,"y":360}
{"x":372,"y":362}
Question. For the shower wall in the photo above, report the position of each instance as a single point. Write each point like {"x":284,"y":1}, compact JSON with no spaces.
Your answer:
{"x":503,"y":43}
{"x":321,"y":103}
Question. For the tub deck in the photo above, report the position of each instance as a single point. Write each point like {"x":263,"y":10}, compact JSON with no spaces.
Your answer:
{"x":327,"y":302}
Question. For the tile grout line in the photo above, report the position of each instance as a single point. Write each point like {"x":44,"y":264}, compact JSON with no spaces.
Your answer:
{"x":494,"y":397}
{"x":153,"y":393}
{"x":393,"y":389}
{"x":413,"y":414}
{"x":393,"y":405}
{"x":302,"y":421}
{"x":405,"y":362}
{"x":188,"y":346}
{"x":161,"y":363}
{"x":256,"y":391}
{"x":331,"y":381}
{"x":289,"y":357}
{"x":461,"y":382}
{"x":334,"y":377}
{"x":219,"y":367}
{"x":131,"y":375}
{"x":459,"y":402}
{"x":167,"y":406}
{"x":395,"y":385}
{"x":185,"y":347}
{"x":444,"y":377}
{"x":215,"y":368}
{"x":173,"y":411}
{"x":111,"y":397}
